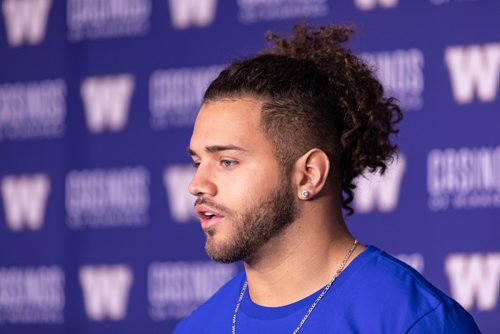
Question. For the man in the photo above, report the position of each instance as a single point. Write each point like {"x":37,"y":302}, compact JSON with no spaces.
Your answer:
{"x":277,"y":143}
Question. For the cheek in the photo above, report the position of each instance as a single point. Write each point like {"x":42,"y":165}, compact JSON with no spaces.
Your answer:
{"x":248,"y":190}
{"x":249,"y":183}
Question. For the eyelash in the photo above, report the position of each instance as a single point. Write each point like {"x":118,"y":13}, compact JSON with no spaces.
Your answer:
{"x":226,"y":163}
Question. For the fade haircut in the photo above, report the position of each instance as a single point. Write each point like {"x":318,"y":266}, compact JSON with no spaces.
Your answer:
{"x":317,"y":94}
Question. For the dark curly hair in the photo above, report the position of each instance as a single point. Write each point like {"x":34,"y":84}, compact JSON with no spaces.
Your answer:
{"x":317,"y":93}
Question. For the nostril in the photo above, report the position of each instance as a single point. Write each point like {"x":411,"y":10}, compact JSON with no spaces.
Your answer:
{"x":201,"y":184}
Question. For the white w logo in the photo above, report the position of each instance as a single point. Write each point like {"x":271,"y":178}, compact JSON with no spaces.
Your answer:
{"x":380,"y":191}
{"x":371,"y":4}
{"x":185,"y":13}
{"x":25,"y":199}
{"x":106,"y":290}
{"x":473,"y":69}
{"x":474,"y":278}
{"x":107,"y":101}
{"x":25,"y":20}
{"x":181,"y":202}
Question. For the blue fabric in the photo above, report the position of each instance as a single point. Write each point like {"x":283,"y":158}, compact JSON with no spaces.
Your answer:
{"x":376,"y":293}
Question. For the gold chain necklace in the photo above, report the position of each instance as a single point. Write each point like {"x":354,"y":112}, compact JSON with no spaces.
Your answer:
{"x":325,"y":290}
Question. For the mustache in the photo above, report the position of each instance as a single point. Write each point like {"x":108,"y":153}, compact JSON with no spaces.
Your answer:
{"x":213,"y":205}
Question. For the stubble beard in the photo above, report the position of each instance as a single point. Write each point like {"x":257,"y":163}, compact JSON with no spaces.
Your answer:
{"x":255,"y":226}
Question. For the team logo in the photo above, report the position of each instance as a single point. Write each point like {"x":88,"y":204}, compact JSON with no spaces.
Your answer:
{"x":474,"y":279}
{"x":25,"y":21}
{"x":181,"y":203}
{"x":107,"y":101}
{"x":106,"y":291}
{"x":474,"y":72}
{"x":376,"y":191}
{"x":373,"y":4}
{"x":192,"y":13}
{"x":25,"y":199}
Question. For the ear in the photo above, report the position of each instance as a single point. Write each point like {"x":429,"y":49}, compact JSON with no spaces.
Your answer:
{"x":310,"y":173}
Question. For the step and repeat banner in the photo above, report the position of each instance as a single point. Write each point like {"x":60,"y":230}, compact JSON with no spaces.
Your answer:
{"x":97,"y":103}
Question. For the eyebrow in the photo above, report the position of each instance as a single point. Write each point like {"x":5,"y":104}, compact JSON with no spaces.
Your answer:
{"x":218,"y":148}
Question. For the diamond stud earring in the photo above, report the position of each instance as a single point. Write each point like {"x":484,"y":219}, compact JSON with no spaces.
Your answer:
{"x":304,"y":194}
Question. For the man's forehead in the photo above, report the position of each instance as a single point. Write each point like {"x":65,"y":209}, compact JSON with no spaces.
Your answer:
{"x":227,"y":123}
{"x":228,"y":117}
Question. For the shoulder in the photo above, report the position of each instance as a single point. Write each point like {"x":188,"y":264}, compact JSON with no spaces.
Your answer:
{"x":396,"y":278}
{"x":215,"y":311}
{"x":400,"y":294}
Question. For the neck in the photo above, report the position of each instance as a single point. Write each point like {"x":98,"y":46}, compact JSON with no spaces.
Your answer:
{"x":302,"y":259}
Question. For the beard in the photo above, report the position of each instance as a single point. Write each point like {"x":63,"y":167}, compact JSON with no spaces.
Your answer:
{"x":253,"y":227}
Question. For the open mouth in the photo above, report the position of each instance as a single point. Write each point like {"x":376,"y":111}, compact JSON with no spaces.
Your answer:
{"x":209,"y":214}
{"x":208,"y":217}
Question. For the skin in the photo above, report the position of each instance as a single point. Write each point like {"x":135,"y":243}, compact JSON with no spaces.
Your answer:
{"x":305,"y":255}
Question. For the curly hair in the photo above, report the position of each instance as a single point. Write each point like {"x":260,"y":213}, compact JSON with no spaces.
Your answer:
{"x":317,"y":94}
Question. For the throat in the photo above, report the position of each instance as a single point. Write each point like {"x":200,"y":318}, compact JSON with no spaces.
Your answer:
{"x":282,"y":281}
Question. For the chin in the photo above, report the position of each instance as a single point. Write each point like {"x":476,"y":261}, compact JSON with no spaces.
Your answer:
{"x":223,"y":253}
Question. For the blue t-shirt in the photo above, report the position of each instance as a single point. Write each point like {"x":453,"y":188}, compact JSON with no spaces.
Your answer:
{"x":376,"y":293}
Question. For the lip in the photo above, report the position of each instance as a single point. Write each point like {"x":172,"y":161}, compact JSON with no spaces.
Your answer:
{"x":207,"y":221}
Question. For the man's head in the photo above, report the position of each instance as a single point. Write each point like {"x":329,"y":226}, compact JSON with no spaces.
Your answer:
{"x":243,"y":198}
{"x":317,"y":94}
{"x":305,"y":94}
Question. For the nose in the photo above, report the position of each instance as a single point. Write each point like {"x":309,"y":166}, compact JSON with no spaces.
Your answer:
{"x":201,"y":183}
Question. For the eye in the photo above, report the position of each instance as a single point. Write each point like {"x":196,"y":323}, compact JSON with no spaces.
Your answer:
{"x":196,"y":164}
{"x":228,"y":163}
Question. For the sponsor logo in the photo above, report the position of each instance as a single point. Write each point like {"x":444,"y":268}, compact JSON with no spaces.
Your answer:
{"x":25,"y":200}
{"x":175,"y":95}
{"x":474,"y":279}
{"x":401,"y":72}
{"x":474,"y":71}
{"x":415,"y":260}
{"x":464,"y":178}
{"x":107,"y":198}
{"x":372,"y":4}
{"x":25,"y":21}
{"x":376,"y":191}
{"x":32,"y":295}
{"x":251,"y":11}
{"x":107,"y":101}
{"x":445,"y":2}
{"x":187,"y":13}
{"x":106,"y":291}
{"x":175,"y":289}
{"x":96,"y":19}
{"x":32,"y":110}
{"x":175,"y":178}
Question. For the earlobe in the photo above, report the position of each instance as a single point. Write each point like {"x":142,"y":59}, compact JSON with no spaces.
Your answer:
{"x":304,"y":194}
{"x":312,"y":171}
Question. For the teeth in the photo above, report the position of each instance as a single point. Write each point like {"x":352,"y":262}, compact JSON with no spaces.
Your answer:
{"x":209,"y":214}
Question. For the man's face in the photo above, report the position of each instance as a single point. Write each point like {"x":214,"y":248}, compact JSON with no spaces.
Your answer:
{"x":243,"y":199}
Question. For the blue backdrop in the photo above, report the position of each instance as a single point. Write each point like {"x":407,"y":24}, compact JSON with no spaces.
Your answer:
{"x":97,"y":102}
